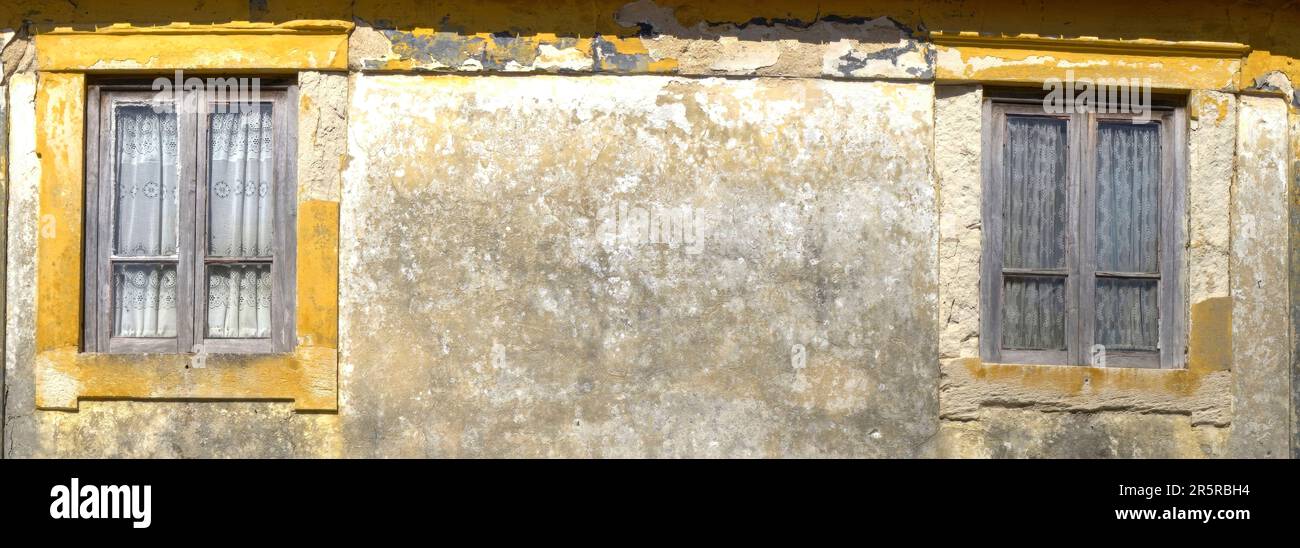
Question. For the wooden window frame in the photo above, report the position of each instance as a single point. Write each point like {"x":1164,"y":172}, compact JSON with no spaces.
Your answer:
{"x":192,"y":260}
{"x":1080,"y":271}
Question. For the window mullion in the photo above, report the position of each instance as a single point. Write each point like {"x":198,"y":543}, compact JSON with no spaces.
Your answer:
{"x":198,"y":270}
{"x":185,"y":134}
{"x":1087,"y":245}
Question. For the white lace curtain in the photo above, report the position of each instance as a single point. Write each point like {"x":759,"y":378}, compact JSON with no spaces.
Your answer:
{"x":241,"y":163}
{"x":240,"y":198}
{"x":146,"y":222}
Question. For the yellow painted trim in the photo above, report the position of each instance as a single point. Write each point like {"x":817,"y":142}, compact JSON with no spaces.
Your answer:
{"x":1027,"y":65}
{"x":320,"y":45}
{"x":60,"y":108}
{"x":301,"y":26}
{"x":308,"y":376}
{"x":318,"y":272}
{"x":1075,"y":379}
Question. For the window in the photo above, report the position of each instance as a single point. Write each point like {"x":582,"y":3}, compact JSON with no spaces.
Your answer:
{"x":1082,"y":237}
{"x":189,"y":224}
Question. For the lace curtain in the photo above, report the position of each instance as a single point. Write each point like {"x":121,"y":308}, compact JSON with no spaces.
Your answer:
{"x":146,"y":218}
{"x":1034,"y":233}
{"x":1128,"y":226}
{"x":241,"y":162}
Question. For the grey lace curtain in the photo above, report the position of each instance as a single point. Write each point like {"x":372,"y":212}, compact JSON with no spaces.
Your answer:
{"x":1128,"y":226}
{"x":239,"y":222}
{"x":146,"y":217}
{"x":1034,"y":233}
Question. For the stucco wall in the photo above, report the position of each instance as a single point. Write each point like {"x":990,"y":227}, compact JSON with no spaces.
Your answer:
{"x":491,"y":224}
{"x":659,"y":228}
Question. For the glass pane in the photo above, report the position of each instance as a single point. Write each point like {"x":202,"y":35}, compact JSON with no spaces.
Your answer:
{"x":1128,"y":317}
{"x":1035,"y":199}
{"x":239,"y":301}
{"x":144,"y":300}
{"x":240,"y":175}
{"x":146,"y":195}
{"x":1128,"y":197}
{"x":1033,"y":313}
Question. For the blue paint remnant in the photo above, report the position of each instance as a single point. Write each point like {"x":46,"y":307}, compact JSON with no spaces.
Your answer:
{"x":446,"y":48}
{"x":850,"y":62}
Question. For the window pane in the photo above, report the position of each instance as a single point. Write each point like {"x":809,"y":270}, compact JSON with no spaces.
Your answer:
{"x":146,"y":195}
{"x":144,"y":300}
{"x":1127,"y":315}
{"x":1035,"y":200}
{"x":239,"y":301}
{"x":1128,"y":191}
{"x":1033,"y":313}
{"x":240,"y":175}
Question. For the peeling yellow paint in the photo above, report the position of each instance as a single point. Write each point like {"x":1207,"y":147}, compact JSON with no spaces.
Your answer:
{"x":1262,"y":62}
{"x":1025,"y":65}
{"x":1210,"y":341}
{"x":318,"y":268}
{"x":60,"y":107}
{"x":1208,"y":109}
{"x":236,"y":46}
{"x":1075,"y":380}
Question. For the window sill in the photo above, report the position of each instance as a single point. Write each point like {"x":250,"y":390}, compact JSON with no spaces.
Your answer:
{"x":970,"y":388}
{"x":1083,"y":379}
{"x":308,"y":377}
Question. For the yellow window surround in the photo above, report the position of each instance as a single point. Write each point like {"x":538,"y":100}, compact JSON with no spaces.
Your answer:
{"x":308,"y":376}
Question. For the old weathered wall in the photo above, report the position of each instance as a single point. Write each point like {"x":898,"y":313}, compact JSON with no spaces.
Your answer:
{"x":676,"y":228}
{"x":1259,"y":280}
{"x":620,"y":266}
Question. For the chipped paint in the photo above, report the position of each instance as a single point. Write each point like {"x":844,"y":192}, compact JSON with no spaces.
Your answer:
{"x":294,"y":45}
{"x":1013,"y":64}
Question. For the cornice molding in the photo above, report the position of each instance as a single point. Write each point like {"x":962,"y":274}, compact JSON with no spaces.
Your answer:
{"x":1144,"y":46}
{"x":296,"y":27}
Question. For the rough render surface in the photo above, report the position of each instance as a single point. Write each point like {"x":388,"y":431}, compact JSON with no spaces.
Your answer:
{"x":322,"y":130}
{"x":1261,"y":348}
{"x":484,"y":228}
{"x":1211,"y":163}
{"x":1027,"y":433}
{"x":957,"y":123}
{"x":1295,"y":281}
{"x":24,"y":175}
